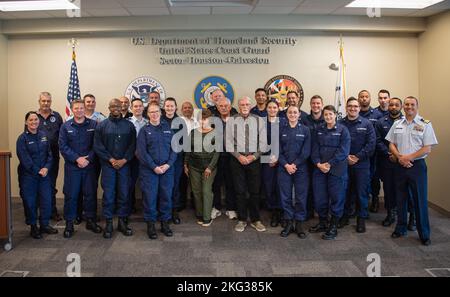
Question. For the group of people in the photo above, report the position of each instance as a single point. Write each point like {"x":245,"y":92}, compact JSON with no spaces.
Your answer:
{"x":300,"y":163}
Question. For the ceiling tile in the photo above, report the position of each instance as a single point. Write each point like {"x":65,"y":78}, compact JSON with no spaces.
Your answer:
{"x":273,"y":10}
{"x":275,"y":3}
{"x":104,"y":4}
{"x":190,"y":10}
{"x":232,"y":10}
{"x":142,"y":11}
{"x":142,"y":3}
{"x":97,"y":12}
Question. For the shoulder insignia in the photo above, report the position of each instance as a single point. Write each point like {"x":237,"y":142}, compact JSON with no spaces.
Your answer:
{"x":425,"y":121}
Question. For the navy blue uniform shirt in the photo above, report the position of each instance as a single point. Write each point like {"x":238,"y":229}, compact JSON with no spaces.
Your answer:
{"x":77,"y":140}
{"x":363,"y":141}
{"x":295,"y":144}
{"x":34,"y":152}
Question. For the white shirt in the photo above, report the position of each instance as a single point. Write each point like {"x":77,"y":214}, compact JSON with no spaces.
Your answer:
{"x":138,"y":124}
{"x":191,"y":124}
{"x":411,"y":137}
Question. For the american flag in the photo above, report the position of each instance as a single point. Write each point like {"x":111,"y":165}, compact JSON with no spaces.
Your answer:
{"x":74,"y":86}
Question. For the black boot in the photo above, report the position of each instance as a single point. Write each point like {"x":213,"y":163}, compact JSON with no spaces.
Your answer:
{"x":151,"y":230}
{"x":344,"y":221}
{"x":175,"y":217}
{"x":412,"y":222}
{"x":92,"y":225}
{"x":320,"y":227}
{"x":299,"y":230}
{"x":78,"y":220}
{"x":69,"y":230}
{"x":332,"y":229}
{"x":48,"y":229}
{"x":275,"y":219}
{"x":165,"y":229}
{"x":123,"y":227}
{"x":390,"y":218}
{"x":360,"y":225}
{"x":108,"y":231}
{"x":288,"y":229}
{"x":375,"y":204}
{"x":34,"y":232}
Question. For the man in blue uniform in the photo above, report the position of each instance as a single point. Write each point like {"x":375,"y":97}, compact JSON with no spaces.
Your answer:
{"x":373,"y":115}
{"x":138,"y":120}
{"x":363,"y":140}
{"x":411,"y":140}
{"x":313,"y":121}
{"x":156,"y":171}
{"x":50,"y":122}
{"x":261,"y":100}
{"x":386,"y":160}
{"x":76,"y":140}
{"x":114,"y":144}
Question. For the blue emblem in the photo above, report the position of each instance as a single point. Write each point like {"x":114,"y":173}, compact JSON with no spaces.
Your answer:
{"x":141,"y":88}
{"x":203,"y":90}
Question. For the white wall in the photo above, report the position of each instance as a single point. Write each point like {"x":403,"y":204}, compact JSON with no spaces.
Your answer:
{"x":106,"y":65}
{"x":434,"y":65}
{"x":4,"y":145}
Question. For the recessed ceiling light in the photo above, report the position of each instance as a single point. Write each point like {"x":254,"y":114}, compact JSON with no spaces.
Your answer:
{"x":210,"y":3}
{"x":404,"y":4}
{"x":37,"y":5}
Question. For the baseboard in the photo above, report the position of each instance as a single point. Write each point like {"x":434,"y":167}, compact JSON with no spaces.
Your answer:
{"x":439,"y":209}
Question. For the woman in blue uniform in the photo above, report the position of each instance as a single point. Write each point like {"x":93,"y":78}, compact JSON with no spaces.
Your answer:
{"x":169,"y":113}
{"x":295,"y":149}
{"x":330,"y":149}
{"x":156,"y":159}
{"x":35,"y":157}
{"x":269,"y":169}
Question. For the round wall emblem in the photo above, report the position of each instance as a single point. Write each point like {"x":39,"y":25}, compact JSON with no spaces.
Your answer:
{"x":142,"y":86}
{"x":278,"y":87}
{"x":203,"y":90}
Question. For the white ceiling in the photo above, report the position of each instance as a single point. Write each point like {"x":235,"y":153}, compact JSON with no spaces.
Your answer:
{"x":111,"y":8}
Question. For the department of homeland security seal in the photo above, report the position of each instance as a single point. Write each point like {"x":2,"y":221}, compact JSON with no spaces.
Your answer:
{"x":203,"y":90}
{"x":278,"y":87}
{"x":141,"y":88}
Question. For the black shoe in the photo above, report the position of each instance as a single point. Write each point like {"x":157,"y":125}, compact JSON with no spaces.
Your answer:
{"x":92,"y":225}
{"x":331,"y":232}
{"x":34,"y":232}
{"x":344,"y":221}
{"x":48,"y":229}
{"x":320,"y":227}
{"x":123,"y":227}
{"x":299,"y":230}
{"x":176,"y":218}
{"x":288,"y":229}
{"x":397,"y":234}
{"x":426,"y":242}
{"x":375,"y":205}
{"x":390,"y":219}
{"x":69,"y":230}
{"x":165,"y":229}
{"x":360,"y":225}
{"x":275,"y":219}
{"x":412,"y":223}
{"x":108,"y":231}
{"x":151,"y":230}
{"x":78,"y":220}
